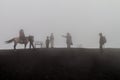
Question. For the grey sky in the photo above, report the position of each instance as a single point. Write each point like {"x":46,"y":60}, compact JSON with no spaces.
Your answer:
{"x":84,"y":19}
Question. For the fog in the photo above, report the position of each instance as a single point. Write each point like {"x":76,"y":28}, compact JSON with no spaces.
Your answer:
{"x":84,"y":19}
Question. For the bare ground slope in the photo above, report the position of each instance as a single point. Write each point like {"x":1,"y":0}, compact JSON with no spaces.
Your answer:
{"x":60,"y":64}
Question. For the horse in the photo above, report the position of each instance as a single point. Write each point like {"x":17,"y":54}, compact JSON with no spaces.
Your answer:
{"x":17,"y":40}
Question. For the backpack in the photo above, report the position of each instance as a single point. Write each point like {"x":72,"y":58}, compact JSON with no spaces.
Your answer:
{"x":104,"y":40}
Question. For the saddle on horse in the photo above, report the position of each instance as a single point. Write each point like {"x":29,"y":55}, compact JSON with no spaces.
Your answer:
{"x":22,"y":39}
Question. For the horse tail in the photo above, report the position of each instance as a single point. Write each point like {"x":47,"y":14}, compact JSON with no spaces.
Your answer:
{"x":9,"y":41}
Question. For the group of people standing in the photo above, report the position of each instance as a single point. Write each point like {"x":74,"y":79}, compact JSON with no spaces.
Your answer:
{"x":50,"y":40}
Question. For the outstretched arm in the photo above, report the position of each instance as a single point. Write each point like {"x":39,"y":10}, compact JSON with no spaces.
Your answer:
{"x":64,"y":36}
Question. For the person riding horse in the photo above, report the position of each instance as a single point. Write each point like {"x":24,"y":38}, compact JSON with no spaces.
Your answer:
{"x":22,"y":39}
{"x":17,"y":40}
{"x":22,"y":36}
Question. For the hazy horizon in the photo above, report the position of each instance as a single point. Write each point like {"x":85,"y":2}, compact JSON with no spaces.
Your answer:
{"x":84,"y":19}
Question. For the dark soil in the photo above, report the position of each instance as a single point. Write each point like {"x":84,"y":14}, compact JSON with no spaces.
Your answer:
{"x":60,"y":64}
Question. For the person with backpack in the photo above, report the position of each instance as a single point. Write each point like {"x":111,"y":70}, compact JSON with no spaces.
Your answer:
{"x":102,"y":41}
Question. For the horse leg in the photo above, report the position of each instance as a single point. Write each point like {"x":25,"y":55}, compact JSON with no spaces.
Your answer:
{"x":25,"y":46}
{"x":33,"y":46}
{"x":15,"y":44}
{"x":30,"y":45}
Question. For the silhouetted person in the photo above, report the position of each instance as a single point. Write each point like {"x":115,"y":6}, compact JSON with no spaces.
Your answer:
{"x":22,"y":35}
{"x":47,"y":42}
{"x":52,"y":40}
{"x":68,"y":40}
{"x":102,"y":41}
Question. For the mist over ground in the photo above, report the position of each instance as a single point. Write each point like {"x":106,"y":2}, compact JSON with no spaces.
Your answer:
{"x":83,"y":19}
